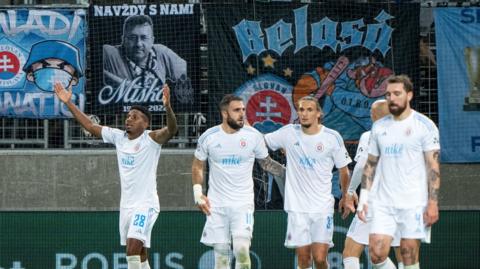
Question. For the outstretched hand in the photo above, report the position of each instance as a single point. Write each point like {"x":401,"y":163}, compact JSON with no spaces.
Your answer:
{"x":166,"y":95}
{"x":63,"y":94}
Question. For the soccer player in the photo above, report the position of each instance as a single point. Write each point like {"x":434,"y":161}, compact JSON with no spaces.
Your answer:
{"x":405,"y":147}
{"x":138,"y":151}
{"x":311,"y":150}
{"x":231,"y":149}
{"x":357,"y":236}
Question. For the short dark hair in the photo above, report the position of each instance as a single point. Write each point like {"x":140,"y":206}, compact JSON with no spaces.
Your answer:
{"x":144,"y":110}
{"x":136,"y":20}
{"x":227,"y":99}
{"x":404,"y":79}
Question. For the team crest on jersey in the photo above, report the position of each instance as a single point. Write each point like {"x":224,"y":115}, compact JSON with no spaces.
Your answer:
{"x":243,"y":143}
{"x":12,"y":59}
{"x":319,"y":147}
{"x":137,"y":147}
{"x":268,"y":102}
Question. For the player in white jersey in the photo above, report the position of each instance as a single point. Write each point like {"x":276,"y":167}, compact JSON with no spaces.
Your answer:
{"x":311,"y":150}
{"x":357,"y":235}
{"x":138,"y":151}
{"x":231,"y":149}
{"x":407,"y":145}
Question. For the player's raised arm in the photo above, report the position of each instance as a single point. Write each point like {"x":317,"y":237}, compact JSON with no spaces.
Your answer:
{"x":162,"y":136}
{"x":433,"y":180}
{"x":197,"y":179}
{"x":65,"y":96}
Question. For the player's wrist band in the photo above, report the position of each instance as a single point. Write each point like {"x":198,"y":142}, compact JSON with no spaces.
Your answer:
{"x":363,"y":200}
{"x":197,"y":194}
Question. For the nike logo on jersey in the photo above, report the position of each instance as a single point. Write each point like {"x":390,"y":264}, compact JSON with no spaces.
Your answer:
{"x":218,"y":146}
{"x":297,"y":144}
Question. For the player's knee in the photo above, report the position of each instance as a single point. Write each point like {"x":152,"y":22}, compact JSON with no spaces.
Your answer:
{"x":222,"y":256}
{"x":321,"y":262}
{"x":134,"y":247}
{"x":304,"y":261}
{"x":408,"y":254}
{"x":377,"y":254}
{"x":241,"y":250}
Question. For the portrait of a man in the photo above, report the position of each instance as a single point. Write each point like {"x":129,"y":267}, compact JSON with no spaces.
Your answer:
{"x":139,"y":60}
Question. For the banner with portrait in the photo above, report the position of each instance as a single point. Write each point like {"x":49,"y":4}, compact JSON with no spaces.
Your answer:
{"x":39,"y":47}
{"x":136,"y":49}
{"x":458,"y":56}
{"x":272,"y":54}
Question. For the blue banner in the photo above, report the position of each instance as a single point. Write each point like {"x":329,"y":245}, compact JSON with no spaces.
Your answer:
{"x":39,"y":47}
{"x":458,"y":57}
{"x":273,"y":54}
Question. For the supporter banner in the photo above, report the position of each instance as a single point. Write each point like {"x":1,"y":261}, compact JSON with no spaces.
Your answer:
{"x":138,"y":48}
{"x":458,"y":56}
{"x":272,"y":54}
{"x":72,"y":240}
{"x":37,"y":48}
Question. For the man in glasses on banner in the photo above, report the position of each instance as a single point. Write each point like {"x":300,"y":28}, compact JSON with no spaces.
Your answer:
{"x":138,"y":60}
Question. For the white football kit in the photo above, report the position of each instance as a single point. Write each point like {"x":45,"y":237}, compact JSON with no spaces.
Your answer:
{"x":230,"y":159}
{"x":137,"y":165}
{"x":308,"y":199}
{"x":359,"y":231}
{"x":401,"y":195}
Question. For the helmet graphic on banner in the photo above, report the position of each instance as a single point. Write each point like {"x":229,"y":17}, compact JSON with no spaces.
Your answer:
{"x":56,"y":49}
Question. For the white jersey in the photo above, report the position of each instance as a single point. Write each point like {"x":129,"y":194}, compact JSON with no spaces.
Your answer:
{"x":401,"y":146}
{"x":362,"y":149}
{"x":137,"y":164}
{"x":230,"y":159}
{"x":310,"y":160}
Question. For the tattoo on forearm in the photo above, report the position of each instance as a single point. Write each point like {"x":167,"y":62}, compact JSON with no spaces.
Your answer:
{"x":369,"y":172}
{"x":433,"y":177}
{"x":171,"y":120}
{"x":272,"y":166}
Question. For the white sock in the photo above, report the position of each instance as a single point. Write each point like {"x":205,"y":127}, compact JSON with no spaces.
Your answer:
{"x":351,"y":263}
{"x":400,"y":265}
{"x":134,"y":262}
{"x":145,"y":265}
{"x":298,"y":267}
{"x":386,"y":264}
{"x":413,"y":266}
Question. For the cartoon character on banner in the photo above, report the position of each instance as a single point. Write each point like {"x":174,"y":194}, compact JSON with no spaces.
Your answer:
{"x":53,"y":61}
{"x":346,"y":91}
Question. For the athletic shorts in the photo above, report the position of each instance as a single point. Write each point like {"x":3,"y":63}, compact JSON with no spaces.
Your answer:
{"x":359,"y":232}
{"x":227,"y":222}
{"x":407,"y":222}
{"x":137,"y":223}
{"x":306,"y":228}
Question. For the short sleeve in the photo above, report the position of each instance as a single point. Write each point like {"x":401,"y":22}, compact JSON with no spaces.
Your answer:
{"x":373,"y":143}
{"x":201,"y":152}
{"x":111,"y":135}
{"x":261,"y":151}
{"x":362,"y":149}
{"x":341,"y":157}
{"x":431,"y":140}
{"x":275,"y":140}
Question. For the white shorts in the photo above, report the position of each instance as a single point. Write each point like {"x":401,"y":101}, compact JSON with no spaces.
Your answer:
{"x":359,"y":232}
{"x":407,"y":222}
{"x":137,"y":223}
{"x":227,"y":222}
{"x":306,"y":228}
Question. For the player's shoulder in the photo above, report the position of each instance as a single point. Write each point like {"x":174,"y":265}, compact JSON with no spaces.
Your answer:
{"x":251,"y":130}
{"x":424,"y":120}
{"x":333,"y":134}
{"x":209,"y":133}
{"x":365,"y":136}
